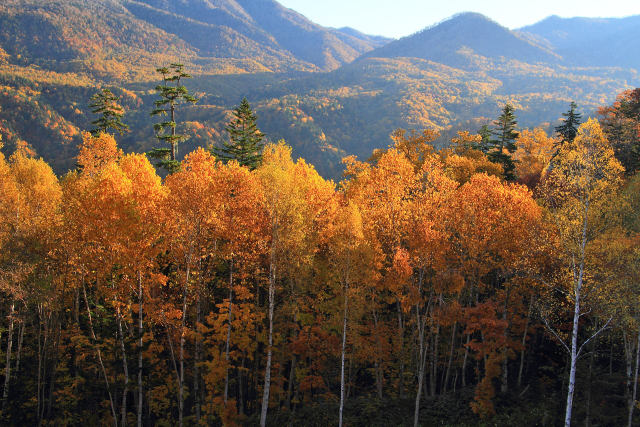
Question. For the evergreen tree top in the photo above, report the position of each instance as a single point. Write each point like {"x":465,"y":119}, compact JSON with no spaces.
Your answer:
{"x":505,"y":129}
{"x":105,"y":103}
{"x":245,"y":139}
{"x":568,"y":129}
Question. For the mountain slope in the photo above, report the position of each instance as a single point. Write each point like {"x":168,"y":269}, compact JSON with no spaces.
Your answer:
{"x":128,"y":39}
{"x":265,"y":22}
{"x":451,"y":41}
{"x":55,"y":55}
{"x":591,"y":41}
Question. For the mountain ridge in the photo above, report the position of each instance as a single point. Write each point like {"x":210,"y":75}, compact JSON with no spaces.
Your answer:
{"x":326,"y":105}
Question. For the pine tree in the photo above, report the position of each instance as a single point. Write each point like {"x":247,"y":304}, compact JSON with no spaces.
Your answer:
{"x":502,"y":148}
{"x":569,"y":127}
{"x":485,"y":142}
{"x":105,"y":103}
{"x":172,"y":93}
{"x":245,"y":139}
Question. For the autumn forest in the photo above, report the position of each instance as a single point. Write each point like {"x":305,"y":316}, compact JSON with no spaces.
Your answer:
{"x":220,"y":213}
{"x":493,"y":281}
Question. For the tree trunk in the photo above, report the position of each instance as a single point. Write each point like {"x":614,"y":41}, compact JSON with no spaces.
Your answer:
{"x":125,"y":367}
{"x":587,"y":421}
{"x":433,"y":374}
{"x":344,"y":345}
{"x":52,"y":380}
{"x":267,"y":370}
{"x":574,"y":348}
{"x":464,"y":361}
{"x":453,"y":340}
{"x":574,"y":358}
{"x":241,"y":404}
{"x":292,"y":378}
{"x":401,"y":352}
{"x":39,"y":402}
{"x":196,"y":367}
{"x":422,"y":363}
{"x":524,"y":342}
{"x":7,"y":369}
{"x":229,"y":318}
{"x":95,"y":343}
{"x":504,"y":383}
{"x":378,"y":368}
{"x":20,"y":340}
{"x":635,"y":383}
{"x":140,"y":345}
{"x":182,"y":333}
{"x":174,"y":144}
{"x":576,"y":318}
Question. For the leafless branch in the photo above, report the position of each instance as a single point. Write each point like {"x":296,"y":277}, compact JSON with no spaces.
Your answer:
{"x":594,"y":335}
{"x":555,"y":334}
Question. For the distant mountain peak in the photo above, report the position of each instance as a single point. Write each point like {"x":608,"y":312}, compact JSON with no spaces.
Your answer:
{"x":450,"y":40}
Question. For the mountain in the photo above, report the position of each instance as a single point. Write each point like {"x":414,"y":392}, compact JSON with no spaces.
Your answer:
{"x":126,"y":39}
{"x":591,"y":41}
{"x":375,"y":41}
{"x":451,"y":42}
{"x":328,"y":92}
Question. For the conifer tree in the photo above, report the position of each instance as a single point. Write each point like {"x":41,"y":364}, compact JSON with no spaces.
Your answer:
{"x":569,"y":127}
{"x":503,"y":147}
{"x":172,"y":93}
{"x":245,"y":139}
{"x":105,"y":103}
{"x":485,"y":142}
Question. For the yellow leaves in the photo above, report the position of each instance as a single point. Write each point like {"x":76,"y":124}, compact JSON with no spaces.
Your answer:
{"x":582,"y":184}
{"x":39,"y":194}
{"x":588,"y":165}
{"x":97,"y":152}
{"x":535,"y":150}
{"x":463,"y":161}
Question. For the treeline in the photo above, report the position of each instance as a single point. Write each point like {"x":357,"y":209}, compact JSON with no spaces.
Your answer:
{"x":230,"y":295}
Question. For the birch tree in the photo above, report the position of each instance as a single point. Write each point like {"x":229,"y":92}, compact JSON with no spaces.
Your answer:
{"x":579,"y":188}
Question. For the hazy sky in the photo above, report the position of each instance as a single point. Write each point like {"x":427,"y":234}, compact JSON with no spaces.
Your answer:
{"x":398,"y":18}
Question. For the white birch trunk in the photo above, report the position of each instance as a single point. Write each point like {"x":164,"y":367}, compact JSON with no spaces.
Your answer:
{"x":344,"y":344}
{"x":7,"y":370}
{"x":267,"y":370}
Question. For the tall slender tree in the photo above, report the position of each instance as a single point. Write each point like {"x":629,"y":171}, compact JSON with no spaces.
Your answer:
{"x":578,"y":190}
{"x":568,"y":129}
{"x":245,"y":139}
{"x":106,"y":104}
{"x":485,"y":143}
{"x":172,"y":94}
{"x":502,"y":148}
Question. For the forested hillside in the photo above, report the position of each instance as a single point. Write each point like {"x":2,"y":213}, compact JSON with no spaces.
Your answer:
{"x":55,"y":55}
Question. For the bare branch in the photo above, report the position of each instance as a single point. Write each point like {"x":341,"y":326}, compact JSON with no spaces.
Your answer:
{"x":594,"y":335}
{"x":555,"y":334}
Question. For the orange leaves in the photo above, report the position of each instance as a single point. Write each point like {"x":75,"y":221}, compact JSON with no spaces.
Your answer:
{"x":97,"y":152}
{"x":494,"y":223}
{"x":535,"y":150}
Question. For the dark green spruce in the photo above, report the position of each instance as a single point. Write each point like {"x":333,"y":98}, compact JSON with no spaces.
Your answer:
{"x":568,"y":129}
{"x":245,"y":139}
{"x":172,"y":94}
{"x":501,"y":148}
{"x":485,"y":142}
{"x":105,"y":104}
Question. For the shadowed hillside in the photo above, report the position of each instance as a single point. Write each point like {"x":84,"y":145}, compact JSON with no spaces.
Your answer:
{"x":55,"y":55}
